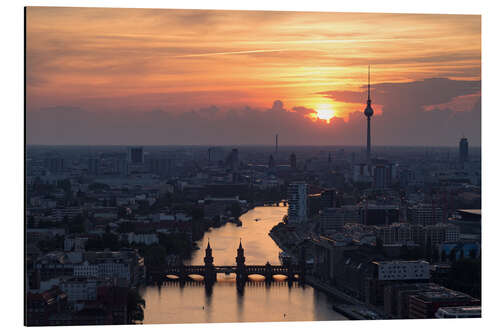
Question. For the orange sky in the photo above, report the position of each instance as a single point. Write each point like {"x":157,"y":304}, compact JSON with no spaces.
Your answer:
{"x":143,"y":60}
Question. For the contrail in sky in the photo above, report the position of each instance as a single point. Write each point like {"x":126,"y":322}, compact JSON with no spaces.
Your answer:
{"x":227,"y":53}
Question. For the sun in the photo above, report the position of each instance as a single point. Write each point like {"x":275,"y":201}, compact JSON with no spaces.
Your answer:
{"x":325,"y":112}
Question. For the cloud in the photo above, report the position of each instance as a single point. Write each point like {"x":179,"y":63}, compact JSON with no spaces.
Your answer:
{"x":435,"y":111}
{"x":303,"y":110}
{"x":424,"y":92}
{"x":427,"y":112}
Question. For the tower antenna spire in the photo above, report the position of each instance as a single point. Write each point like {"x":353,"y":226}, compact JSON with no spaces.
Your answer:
{"x":368,"y":113}
{"x":368,"y":82}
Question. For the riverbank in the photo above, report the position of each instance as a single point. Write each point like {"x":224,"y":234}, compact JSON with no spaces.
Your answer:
{"x":171,"y":303}
{"x":288,"y":239}
{"x":353,"y":308}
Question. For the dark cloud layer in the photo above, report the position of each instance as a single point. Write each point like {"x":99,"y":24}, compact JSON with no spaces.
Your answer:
{"x":412,"y":114}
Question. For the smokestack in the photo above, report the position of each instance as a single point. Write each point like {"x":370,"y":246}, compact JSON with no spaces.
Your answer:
{"x":276,"y":151}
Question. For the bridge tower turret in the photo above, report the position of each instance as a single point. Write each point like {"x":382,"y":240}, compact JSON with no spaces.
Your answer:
{"x":241,"y":271}
{"x":209,"y":259}
{"x":210,"y":273}
{"x":268,"y":272}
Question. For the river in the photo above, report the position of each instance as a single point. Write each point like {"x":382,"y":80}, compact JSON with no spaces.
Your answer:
{"x":173,"y":303}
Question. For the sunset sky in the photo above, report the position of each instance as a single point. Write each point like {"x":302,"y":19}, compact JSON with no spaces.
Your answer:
{"x":134,"y":76}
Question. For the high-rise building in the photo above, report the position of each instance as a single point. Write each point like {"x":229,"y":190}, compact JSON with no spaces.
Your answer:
{"x":120,"y":166}
{"x":329,"y":199}
{"x":161,"y":165}
{"x":382,"y":176}
{"x":276,"y":146}
{"x":293,"y":161}
{"x":54,"y":164}
{"x":215,"y":154}
{"x":136,"y":155}
{"x":93,"y":165}
{"x":233,"y":159}
{"x":361,"y":173}
{"x":464,"y":150}
{"x":406,"y":177}
{"x":271,"y":164}
{"x":297,"y":203}
{"x":368,"y":114}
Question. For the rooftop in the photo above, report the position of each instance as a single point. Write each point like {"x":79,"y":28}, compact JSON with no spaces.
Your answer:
{"x":393,"y":262}
{"x":457,"y":310}
{"x":442,"y":295}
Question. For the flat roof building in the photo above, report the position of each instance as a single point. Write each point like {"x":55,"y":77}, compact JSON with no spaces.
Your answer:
{"x":402,"y":270}
{"x":459,"y":312}
{"x":426,"y":304}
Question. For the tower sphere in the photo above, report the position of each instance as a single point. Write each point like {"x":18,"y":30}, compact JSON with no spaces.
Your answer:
{"x":368,"y":109}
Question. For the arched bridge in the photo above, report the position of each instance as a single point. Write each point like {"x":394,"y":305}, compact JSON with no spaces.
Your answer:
{"x":209,"y":270}
{"x":268,"y":270}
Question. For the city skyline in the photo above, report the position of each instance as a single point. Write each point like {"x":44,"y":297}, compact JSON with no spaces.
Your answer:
{"x":306,"y":82}
{"x":204,"y":166}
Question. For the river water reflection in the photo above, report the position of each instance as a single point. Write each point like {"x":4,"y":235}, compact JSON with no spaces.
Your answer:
{"x":173,"y":303}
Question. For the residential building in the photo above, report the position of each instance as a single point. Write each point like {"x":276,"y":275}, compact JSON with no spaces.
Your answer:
{"x":135,"y":155}
{"x":377,"y":214}
{"x":402,"y":270}
{"x":297,"y":203}
{"x":426,"y":304}
{"x":79,"y":289}
{"x":425,"y":214}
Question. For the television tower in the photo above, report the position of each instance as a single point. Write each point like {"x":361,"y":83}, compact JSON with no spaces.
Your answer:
{"x":276,"y":149}
{"x":368,"y":114}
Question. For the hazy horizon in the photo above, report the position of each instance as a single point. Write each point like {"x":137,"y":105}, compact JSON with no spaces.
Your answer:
{"x":242,"y":145}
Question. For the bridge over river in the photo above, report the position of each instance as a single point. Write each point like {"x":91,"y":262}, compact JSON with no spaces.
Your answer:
{"x":209,"y":271}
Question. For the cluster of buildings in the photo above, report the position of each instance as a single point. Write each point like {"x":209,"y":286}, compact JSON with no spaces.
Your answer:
{"x":91,"y":217}
{"x":81,"y":287}
{"x":359,"y":249}
{"x":356,"y":213}
{"x":382,"y":280}
{"x":388,"y":234}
